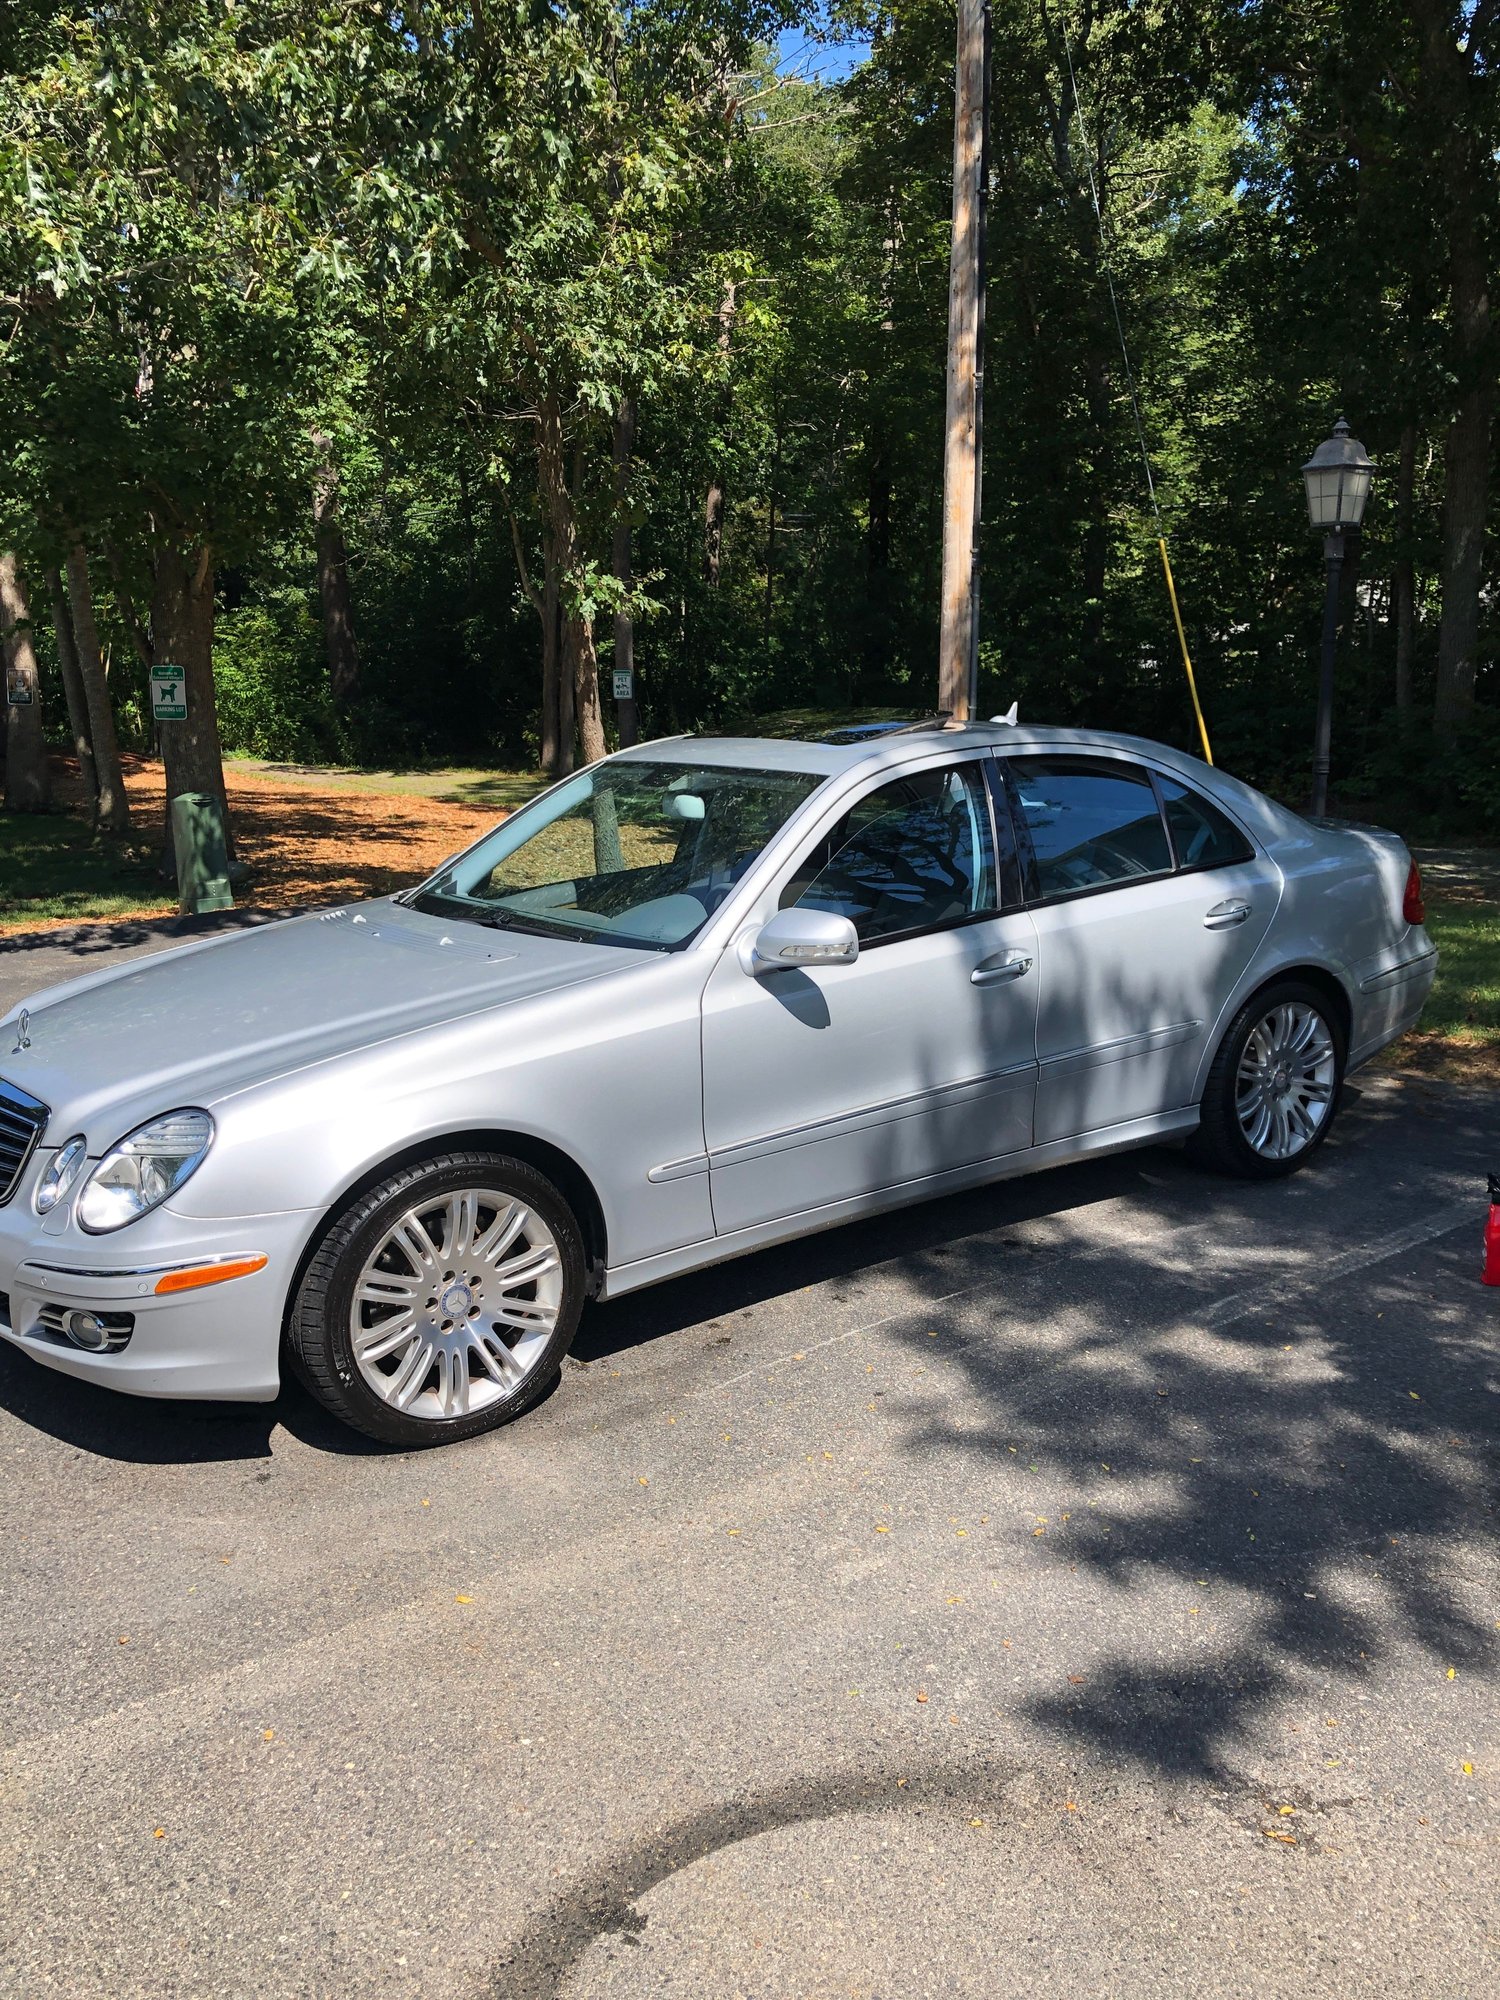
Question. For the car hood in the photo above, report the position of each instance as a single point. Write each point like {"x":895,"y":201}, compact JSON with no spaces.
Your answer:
{"x":195,"y":1025}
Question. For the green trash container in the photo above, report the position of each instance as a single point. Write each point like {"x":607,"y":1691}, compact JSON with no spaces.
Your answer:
{"x":202,"y":851}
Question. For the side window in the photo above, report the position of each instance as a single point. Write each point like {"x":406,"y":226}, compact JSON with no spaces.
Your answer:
{"x":1203,"y":836}
{"x":1089,"y":824}
{"x":913,"y":854}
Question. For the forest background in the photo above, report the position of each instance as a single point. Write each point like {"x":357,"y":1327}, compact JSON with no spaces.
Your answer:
{"x":399,"y":369}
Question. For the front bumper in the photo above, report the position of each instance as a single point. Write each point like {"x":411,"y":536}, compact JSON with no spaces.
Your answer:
{"x":221,"y":1341}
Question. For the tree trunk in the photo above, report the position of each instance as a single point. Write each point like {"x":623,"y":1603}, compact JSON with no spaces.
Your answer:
{"x":584,"y":662}
{"x":114,"y":802}
{"x":182,"y":633}
{"x":1449,"y":74}
{"x":78,"y":713}
{"x":1404,"y":570}
{"x":333,"y":579}
{"x":558,"y":547}
{"x":713,"y":506}
{"x":27,"y":780}
{"x":627,"y":712}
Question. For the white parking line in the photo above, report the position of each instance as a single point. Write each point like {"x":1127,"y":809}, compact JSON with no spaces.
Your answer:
{"x":1239,"y":1305}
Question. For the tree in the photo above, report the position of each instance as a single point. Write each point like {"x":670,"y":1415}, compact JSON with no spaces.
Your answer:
{"x":27,"y":787}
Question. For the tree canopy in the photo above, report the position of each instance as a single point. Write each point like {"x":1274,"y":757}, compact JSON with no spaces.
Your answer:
{"x":390,"y":368}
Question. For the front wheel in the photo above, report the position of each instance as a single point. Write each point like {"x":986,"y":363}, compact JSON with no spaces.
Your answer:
{"x":442,"y":1301}
{"x":1273,"y":1091}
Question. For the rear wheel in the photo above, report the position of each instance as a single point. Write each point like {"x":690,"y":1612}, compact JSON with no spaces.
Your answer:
{"x":1273,"y":1090}
{"x":441,"y":1302}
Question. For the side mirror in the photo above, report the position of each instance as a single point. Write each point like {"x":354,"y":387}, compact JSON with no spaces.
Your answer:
{"x":796,"y":939}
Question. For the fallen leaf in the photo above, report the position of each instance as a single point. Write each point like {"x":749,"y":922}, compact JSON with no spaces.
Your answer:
{"x":426,"y":1503}
{"x":268,"y":1734}
{"x":1467,"y":1769}
{"x":1453,"y":1673}
{"x":158,"y":1833}
{"x":1284,"y":1810}
{"x":881,"y":1528}
{"x":921,"y":1697}
{"x":976,"y":1822}
{"x":643,"y":1482}
{"x":1414,"y":1396}
{"x":955,"y":1600}
{"x":461,"y":1599}
{"x":1075,"y":1680}
{"x":1070,"y":1805}
{"x":1275,"y":1833}
{"x":124,"y":1638}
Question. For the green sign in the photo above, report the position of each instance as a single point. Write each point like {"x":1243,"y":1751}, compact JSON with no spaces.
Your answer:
{"x":624,"y":684}
{"x":169,"y":694}
{"x":17,"y":689}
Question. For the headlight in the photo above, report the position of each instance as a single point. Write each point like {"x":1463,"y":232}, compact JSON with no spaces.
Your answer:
{"x":140,"y":1172}
{"x":61,"y":1173}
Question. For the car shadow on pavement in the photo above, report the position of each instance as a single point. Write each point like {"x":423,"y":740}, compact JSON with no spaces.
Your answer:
{"x":146,"y":1431}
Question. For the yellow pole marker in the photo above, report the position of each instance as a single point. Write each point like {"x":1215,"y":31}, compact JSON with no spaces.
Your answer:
{"x":1187,"y":658}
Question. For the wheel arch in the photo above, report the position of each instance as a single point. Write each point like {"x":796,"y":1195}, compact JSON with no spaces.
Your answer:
{"x":559,"y":1167}
{"x":1323,"y":981}
{"x":1320,"y":977}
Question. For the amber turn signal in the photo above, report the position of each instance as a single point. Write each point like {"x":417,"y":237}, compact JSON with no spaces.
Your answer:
{"x":209,"y":1274}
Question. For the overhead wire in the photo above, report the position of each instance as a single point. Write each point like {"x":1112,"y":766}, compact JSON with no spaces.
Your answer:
{"x":1130,"y":383}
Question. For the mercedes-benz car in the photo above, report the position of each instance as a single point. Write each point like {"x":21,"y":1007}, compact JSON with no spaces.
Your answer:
{"x":701,"y":997}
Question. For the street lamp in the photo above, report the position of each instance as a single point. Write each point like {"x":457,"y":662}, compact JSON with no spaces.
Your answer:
{"x":1337,"y":477}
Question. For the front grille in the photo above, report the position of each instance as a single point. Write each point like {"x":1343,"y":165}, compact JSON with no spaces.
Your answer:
{"x":23,"y":1119}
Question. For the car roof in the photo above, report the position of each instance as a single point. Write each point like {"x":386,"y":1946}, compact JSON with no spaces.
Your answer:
{"x":902,"y":745}
{"x":894,"y":745}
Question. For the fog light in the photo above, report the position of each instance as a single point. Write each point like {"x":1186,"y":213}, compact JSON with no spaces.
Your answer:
{"x":98,"y":1332}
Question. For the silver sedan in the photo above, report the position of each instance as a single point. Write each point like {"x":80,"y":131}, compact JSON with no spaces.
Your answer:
{"x":702,"y":997}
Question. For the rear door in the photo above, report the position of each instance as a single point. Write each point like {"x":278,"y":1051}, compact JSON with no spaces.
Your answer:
{"x":1149,"y":903}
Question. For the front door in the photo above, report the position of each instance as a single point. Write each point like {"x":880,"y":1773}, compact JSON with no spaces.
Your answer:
{"x":824,"y":1085}
{"x":1149,"y":904}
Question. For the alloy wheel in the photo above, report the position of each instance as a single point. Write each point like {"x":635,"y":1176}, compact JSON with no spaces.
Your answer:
{"x":457,"y":1304}
{"x":1284,"y":1086}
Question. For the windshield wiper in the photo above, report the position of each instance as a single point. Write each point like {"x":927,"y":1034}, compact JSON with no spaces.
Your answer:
{"x":510,"y":920}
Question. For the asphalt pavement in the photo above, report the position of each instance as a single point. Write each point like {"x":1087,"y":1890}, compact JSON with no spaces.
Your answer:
{"x":1086,"y":1586}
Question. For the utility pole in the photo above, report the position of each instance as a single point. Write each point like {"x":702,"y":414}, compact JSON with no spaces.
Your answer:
{"x":627,"y":711}
{"x":958,"y":645}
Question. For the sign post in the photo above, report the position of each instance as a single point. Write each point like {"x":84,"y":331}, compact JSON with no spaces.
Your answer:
{"x":169,"y":694}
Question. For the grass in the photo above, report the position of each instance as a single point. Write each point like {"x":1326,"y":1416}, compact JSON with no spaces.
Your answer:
{"x":53,"y":870}
{"x":497,"y":791}
{"x":1465,"y":1001}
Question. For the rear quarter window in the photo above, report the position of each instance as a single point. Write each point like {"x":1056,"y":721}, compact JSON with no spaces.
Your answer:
{"x":1203,"y":836}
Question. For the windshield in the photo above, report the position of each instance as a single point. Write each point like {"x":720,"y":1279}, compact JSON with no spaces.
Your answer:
{"x":630,"y":852}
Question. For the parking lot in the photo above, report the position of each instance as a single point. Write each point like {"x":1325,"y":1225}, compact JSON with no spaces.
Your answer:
{"x":1086,"y":1586}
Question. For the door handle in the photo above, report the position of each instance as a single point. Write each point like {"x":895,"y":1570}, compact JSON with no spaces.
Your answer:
{"x":1224,"y":916}
{"x":995,"y":971}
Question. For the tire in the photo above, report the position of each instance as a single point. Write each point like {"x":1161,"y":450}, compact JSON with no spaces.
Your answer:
{"x":1245,"y":1097}
{"x":441,"y":1302}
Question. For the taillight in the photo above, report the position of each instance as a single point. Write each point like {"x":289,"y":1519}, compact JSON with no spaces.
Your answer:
{"x":1413,"y":909}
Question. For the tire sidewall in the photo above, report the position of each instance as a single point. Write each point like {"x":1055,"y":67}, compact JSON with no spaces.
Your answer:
{"x":356,"y":1235}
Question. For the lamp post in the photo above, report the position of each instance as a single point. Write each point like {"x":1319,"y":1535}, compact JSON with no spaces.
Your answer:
{"x":1337,"y":477}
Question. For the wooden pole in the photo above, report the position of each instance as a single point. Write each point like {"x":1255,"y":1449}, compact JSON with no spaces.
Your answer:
{"x":627,"y":714}
{"x":957,"y":648}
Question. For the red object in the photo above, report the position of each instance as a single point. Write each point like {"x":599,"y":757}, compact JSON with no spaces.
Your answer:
{"x":1413,"y":909}
{"x":1492,"y":1236}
